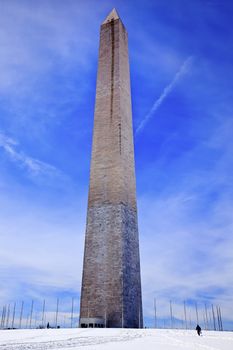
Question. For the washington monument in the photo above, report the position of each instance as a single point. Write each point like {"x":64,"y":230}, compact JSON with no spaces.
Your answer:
{"x":111,"y":282}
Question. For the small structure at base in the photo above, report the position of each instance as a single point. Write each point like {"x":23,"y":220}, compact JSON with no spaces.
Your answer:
{"x":86,"y":322}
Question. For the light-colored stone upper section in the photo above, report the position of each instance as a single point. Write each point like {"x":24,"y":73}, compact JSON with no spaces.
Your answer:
{"x":112,"y":178}
{"x":112,"y":15}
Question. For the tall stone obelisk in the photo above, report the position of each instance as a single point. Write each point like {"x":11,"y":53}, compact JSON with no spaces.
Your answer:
{"x":111,"y":283}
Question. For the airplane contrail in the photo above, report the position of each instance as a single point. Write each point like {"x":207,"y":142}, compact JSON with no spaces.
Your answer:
{"x":182,"y":70}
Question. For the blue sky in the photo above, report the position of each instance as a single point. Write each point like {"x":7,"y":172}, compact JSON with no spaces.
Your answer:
{"x":181,"y":79}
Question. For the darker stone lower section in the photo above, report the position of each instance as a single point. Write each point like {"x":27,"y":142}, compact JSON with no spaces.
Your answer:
{"x":111,"y":286}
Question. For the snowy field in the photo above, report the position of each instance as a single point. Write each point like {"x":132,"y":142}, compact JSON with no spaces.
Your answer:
{"x":123,"y":339}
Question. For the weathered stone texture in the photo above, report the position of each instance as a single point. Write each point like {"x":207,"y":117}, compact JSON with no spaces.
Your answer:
{"x":111,"y":285}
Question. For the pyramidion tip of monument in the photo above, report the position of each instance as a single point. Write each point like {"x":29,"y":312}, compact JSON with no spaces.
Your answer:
{"x":113,"y":15}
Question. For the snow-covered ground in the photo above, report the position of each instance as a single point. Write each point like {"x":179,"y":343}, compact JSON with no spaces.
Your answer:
{"x":123,"y":339}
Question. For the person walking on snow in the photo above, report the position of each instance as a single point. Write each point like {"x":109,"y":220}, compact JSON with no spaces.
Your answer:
{"x":198,"y":329}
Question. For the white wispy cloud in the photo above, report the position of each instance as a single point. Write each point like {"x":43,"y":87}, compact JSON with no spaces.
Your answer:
{"x":33,"y":166}
{"x":42,"y":42}
{"x":182,"y":70}
{"x":23,"y":58}
{"x":185,"y":259}
{"x":186,"y":234}
{"x":28,"y":269}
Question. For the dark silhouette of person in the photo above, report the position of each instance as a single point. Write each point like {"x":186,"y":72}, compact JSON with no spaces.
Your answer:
{"x":198,"y":329}
{"x":48,"y":326}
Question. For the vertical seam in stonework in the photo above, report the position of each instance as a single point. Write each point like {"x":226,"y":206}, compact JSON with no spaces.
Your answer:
{"x":120,"y":123}
{"x":112,"y":66}
{"x":119,"y":126}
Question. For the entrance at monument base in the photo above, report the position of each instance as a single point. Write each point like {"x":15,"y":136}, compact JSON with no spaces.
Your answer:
{"x":88,"y":322}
